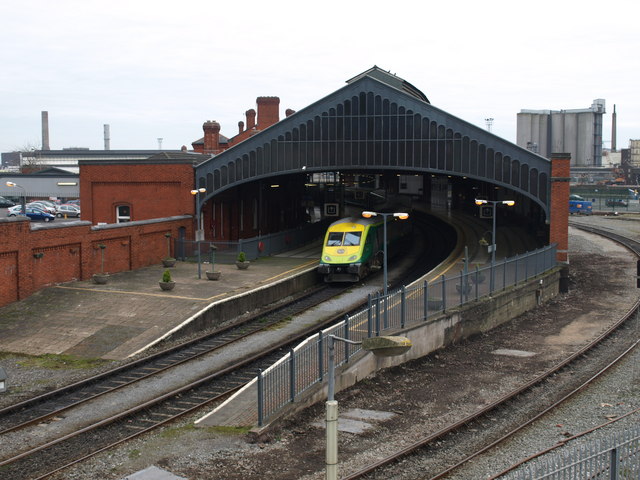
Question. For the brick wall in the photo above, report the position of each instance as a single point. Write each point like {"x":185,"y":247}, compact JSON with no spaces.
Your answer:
{"x":33,"y":256}
{"x":151,"y":188}
{"x":559,"y":212}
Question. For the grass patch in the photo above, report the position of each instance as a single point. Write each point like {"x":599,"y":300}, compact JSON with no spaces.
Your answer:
{"x":135,"y":454}
{"x":175,"y":432}
{"x":56,"y":362}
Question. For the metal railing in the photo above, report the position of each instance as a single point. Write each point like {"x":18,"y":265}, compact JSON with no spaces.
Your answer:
{"x":260,"y":246}
{"x":306,"y":364}
{"x":612,"y":458}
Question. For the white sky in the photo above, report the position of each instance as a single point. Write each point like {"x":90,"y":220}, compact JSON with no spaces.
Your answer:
{"x":159,"y":69}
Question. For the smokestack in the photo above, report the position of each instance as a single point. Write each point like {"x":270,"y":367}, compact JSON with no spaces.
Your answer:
{"x":107,"y":137}
{"x":45,"y":130}
{"x":614,"y":119}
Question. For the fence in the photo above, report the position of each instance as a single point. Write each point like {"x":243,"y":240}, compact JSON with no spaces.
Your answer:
{"x":307,"y":364}
{"x":261,"y":246}
{"x":616,"y":457}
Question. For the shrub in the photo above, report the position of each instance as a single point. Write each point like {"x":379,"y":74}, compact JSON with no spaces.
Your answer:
{"x":242,"y":257}
{"x":166,"y":276}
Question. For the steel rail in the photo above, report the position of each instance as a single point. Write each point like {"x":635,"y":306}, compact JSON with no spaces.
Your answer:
{"x":115,"y":376}
{"x":26,"y":456}
{"x":632,"y":245}
{"x":550,"y":408}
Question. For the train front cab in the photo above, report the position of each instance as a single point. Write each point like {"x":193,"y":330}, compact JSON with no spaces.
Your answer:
{"x":346,"y":251}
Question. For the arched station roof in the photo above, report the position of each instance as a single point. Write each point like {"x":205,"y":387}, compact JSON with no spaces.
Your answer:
{"x":377,"y":122}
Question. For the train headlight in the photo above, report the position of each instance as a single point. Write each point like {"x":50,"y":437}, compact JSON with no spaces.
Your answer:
{"x":327,"y":258}
{"x":353,"y":257}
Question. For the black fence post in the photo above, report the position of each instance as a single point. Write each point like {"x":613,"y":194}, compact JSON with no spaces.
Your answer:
{"x":260,"y":398}
{"x":292,"y":375}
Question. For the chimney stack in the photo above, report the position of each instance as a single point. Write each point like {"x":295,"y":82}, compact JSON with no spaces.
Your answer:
{"x":45,"y":130}
{"x":211,"y":136}
{"x":107,"y":137}
{"x":268,"y":111}
{"x":240,"y":126}
{"x":614,"y":120}
{"x":251,"y":118}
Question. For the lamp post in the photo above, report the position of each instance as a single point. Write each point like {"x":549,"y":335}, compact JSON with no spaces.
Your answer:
{"x":385,"y":346}
{"x":494,"y":203}
{"x":199,"y":232}
{"x":24,"y":195}
{"x":401,"y":216}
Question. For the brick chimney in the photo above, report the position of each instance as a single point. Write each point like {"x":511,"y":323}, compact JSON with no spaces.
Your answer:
{"x":240,"y":127}
{"x":268,"y":111}
{"x":211,"y":136}
{"x":288,"y":112}
{"x":251,"y":118}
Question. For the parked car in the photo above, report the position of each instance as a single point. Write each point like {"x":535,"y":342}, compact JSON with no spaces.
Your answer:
{"x":32,"y":213}
{"x":35,"y":214}
{"x":45,"y":207}
{"x":616,"y":202}
{"x":15,"y":210}
{"x":74,"y":202}
{"x":68,"y":210}
{"x":5,"y":202}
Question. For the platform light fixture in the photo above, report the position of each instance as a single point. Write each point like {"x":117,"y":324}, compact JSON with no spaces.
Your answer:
{"x":384,"y":346}
{"x":24,"y":194}
{"x":401,"y":216}
{"x":493,"y":246}
{"x":200,"y":231}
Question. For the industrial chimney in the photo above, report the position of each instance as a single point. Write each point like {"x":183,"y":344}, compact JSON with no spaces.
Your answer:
{"x":45,"y":130}
{"x":107,"y":137}
{"x":614,"y":119}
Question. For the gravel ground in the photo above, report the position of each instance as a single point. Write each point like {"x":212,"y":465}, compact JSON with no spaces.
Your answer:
{"x":423,"y":395}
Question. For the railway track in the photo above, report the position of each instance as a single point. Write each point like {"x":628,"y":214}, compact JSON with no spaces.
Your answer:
{"x":40,"y":446}
{"x":61,"y":449}
{"x":565,"y":379}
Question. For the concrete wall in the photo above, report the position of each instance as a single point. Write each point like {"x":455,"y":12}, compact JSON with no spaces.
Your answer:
{"x":235,"y":307}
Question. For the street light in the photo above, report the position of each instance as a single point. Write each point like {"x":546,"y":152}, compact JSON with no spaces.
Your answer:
{"x":493,"y":246}
{"x":385,"y":346}
{"x":401,"y":216}
{"x":200,"y":231}
{"x":24,"y":195}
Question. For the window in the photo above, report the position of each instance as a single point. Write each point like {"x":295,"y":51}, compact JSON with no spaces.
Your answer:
{"x":335,"y":239}
{"x":123,"y":213}
{"x":351,"y":239}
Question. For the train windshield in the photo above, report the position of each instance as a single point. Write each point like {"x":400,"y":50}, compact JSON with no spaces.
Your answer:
{"x":345,"y":239}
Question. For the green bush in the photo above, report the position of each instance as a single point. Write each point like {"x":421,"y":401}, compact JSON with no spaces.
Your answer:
{"x":166,"y":276}
{"x":242,"y":257}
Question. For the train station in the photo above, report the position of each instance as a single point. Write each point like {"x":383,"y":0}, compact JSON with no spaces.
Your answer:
{"x":488,"y":240}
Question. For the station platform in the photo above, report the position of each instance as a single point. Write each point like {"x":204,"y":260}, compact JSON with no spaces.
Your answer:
{"x":116,"y":320}
{"x":130,"y":313}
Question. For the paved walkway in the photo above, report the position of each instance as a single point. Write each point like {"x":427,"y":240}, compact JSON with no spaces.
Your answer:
{"x":113,"y":321}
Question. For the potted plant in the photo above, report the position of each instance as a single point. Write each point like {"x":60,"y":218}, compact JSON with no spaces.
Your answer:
{"x":241,"y":261}
{"x":166,"y":283}
{"x":212,"y":274}
{"x":168,"y":261}
{"x":101,"y":278}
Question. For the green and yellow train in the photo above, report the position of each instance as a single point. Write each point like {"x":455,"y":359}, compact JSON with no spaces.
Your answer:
{"x":353,"y":247}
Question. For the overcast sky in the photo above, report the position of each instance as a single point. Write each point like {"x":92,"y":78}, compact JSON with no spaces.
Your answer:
{"x":159,"y":69}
